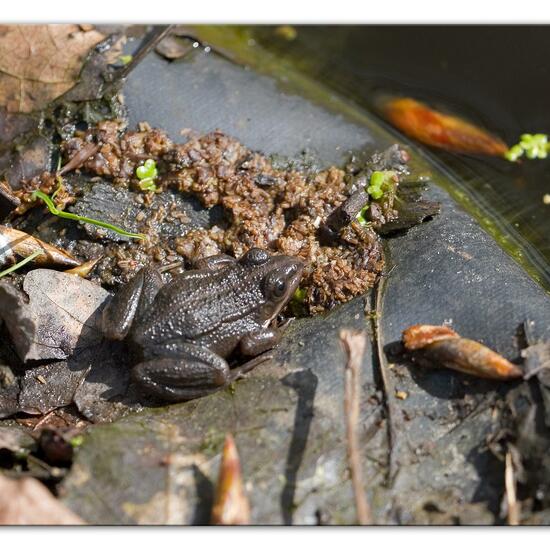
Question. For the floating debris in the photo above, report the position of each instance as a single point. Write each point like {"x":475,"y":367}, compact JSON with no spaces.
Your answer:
{"x":437,"y":129}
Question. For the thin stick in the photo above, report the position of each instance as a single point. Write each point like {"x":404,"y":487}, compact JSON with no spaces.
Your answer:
{"x":354,"y":343}
{"x":510,"y":485}
{"x":387,"y":386}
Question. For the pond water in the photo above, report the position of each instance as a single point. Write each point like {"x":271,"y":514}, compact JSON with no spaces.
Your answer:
{"x":497,"y":77}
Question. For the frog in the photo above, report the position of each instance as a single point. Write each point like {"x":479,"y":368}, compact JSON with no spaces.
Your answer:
{"x":180,"y":334}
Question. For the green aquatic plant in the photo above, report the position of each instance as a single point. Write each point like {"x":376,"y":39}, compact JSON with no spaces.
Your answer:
{"x":70,"y":216}
{"x":380,"y":182}
{"x":76,"y":441}
{"x":21,"y":263}
{"x":361,"y":216}
{"x":147,"y":173}
{"x":533,"y":146}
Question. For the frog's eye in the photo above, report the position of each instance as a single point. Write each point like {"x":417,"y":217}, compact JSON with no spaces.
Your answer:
{"x":255,"y":256}
{"x":276,"y":287}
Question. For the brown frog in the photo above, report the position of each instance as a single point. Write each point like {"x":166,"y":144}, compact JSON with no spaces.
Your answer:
{"x":183,"y":331}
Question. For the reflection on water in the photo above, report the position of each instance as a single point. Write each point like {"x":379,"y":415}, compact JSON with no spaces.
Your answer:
{"x":497,"y":77}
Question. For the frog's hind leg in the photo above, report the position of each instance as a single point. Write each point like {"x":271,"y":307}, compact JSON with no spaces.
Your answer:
{"x":184,"y":371}
{"x":132,"y":299}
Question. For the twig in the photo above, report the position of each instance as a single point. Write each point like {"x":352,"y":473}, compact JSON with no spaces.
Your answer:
{"x":78,"y":159}
{"x":510,"y":485}
{"x":354,"y":343}
{"x":387,"y":386}
{"x":148,"y":44}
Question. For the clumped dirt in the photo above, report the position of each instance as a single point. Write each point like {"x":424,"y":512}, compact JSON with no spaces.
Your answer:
{"x":282,"y":210}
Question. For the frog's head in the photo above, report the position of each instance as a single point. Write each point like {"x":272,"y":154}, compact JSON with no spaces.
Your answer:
{"x":278,"y":278}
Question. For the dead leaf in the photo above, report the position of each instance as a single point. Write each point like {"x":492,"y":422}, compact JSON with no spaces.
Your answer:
{"x":48,"y":387}
{"x":40,"y":62}
{"x":442,"y":346}
{"x":58,"y":317}
{"x":437,"y":129}
{"x":27,"y":502}
{"x":23,"y":244}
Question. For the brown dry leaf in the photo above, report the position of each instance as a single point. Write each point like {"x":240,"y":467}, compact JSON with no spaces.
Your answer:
{"x":40,"y":62}
{"x":23,"y":244}
{"x":442,"y":346}
{"x":57,"y":316}
{"x":27,"y":502}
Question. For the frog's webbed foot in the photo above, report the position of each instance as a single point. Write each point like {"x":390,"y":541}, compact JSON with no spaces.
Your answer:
{"x":183,"y":371}
{"x":127,"y":304}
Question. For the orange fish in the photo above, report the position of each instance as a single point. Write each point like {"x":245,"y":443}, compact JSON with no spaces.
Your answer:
{"x":433,"y":128}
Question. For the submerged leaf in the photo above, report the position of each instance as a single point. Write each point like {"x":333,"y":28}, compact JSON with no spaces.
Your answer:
{"x":434,"y":128}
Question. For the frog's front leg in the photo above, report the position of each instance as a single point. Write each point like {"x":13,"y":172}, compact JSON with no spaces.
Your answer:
{"x":130,"y":301}
{"x":181,"y":371}
{"x":259,"y":341}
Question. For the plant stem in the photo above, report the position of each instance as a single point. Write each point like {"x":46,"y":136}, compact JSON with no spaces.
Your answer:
{"x":62,"y":214}
{"x":24,"y":261}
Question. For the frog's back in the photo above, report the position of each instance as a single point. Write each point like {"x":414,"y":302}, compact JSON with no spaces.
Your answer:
{"x":199,"y":306}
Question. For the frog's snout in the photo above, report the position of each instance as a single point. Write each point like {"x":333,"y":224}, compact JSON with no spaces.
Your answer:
{"x":295,"y":270}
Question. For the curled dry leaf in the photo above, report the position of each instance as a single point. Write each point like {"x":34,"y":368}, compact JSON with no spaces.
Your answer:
{"x":23,"y":244}
{"x":40,"y":62}
{"x":443,"y":346}
{"x":27,"y":502}
{"x":84,"y":269}
{"x":437,"y":129}
{"x":231,"y":504}
{"x":419,"y":336}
